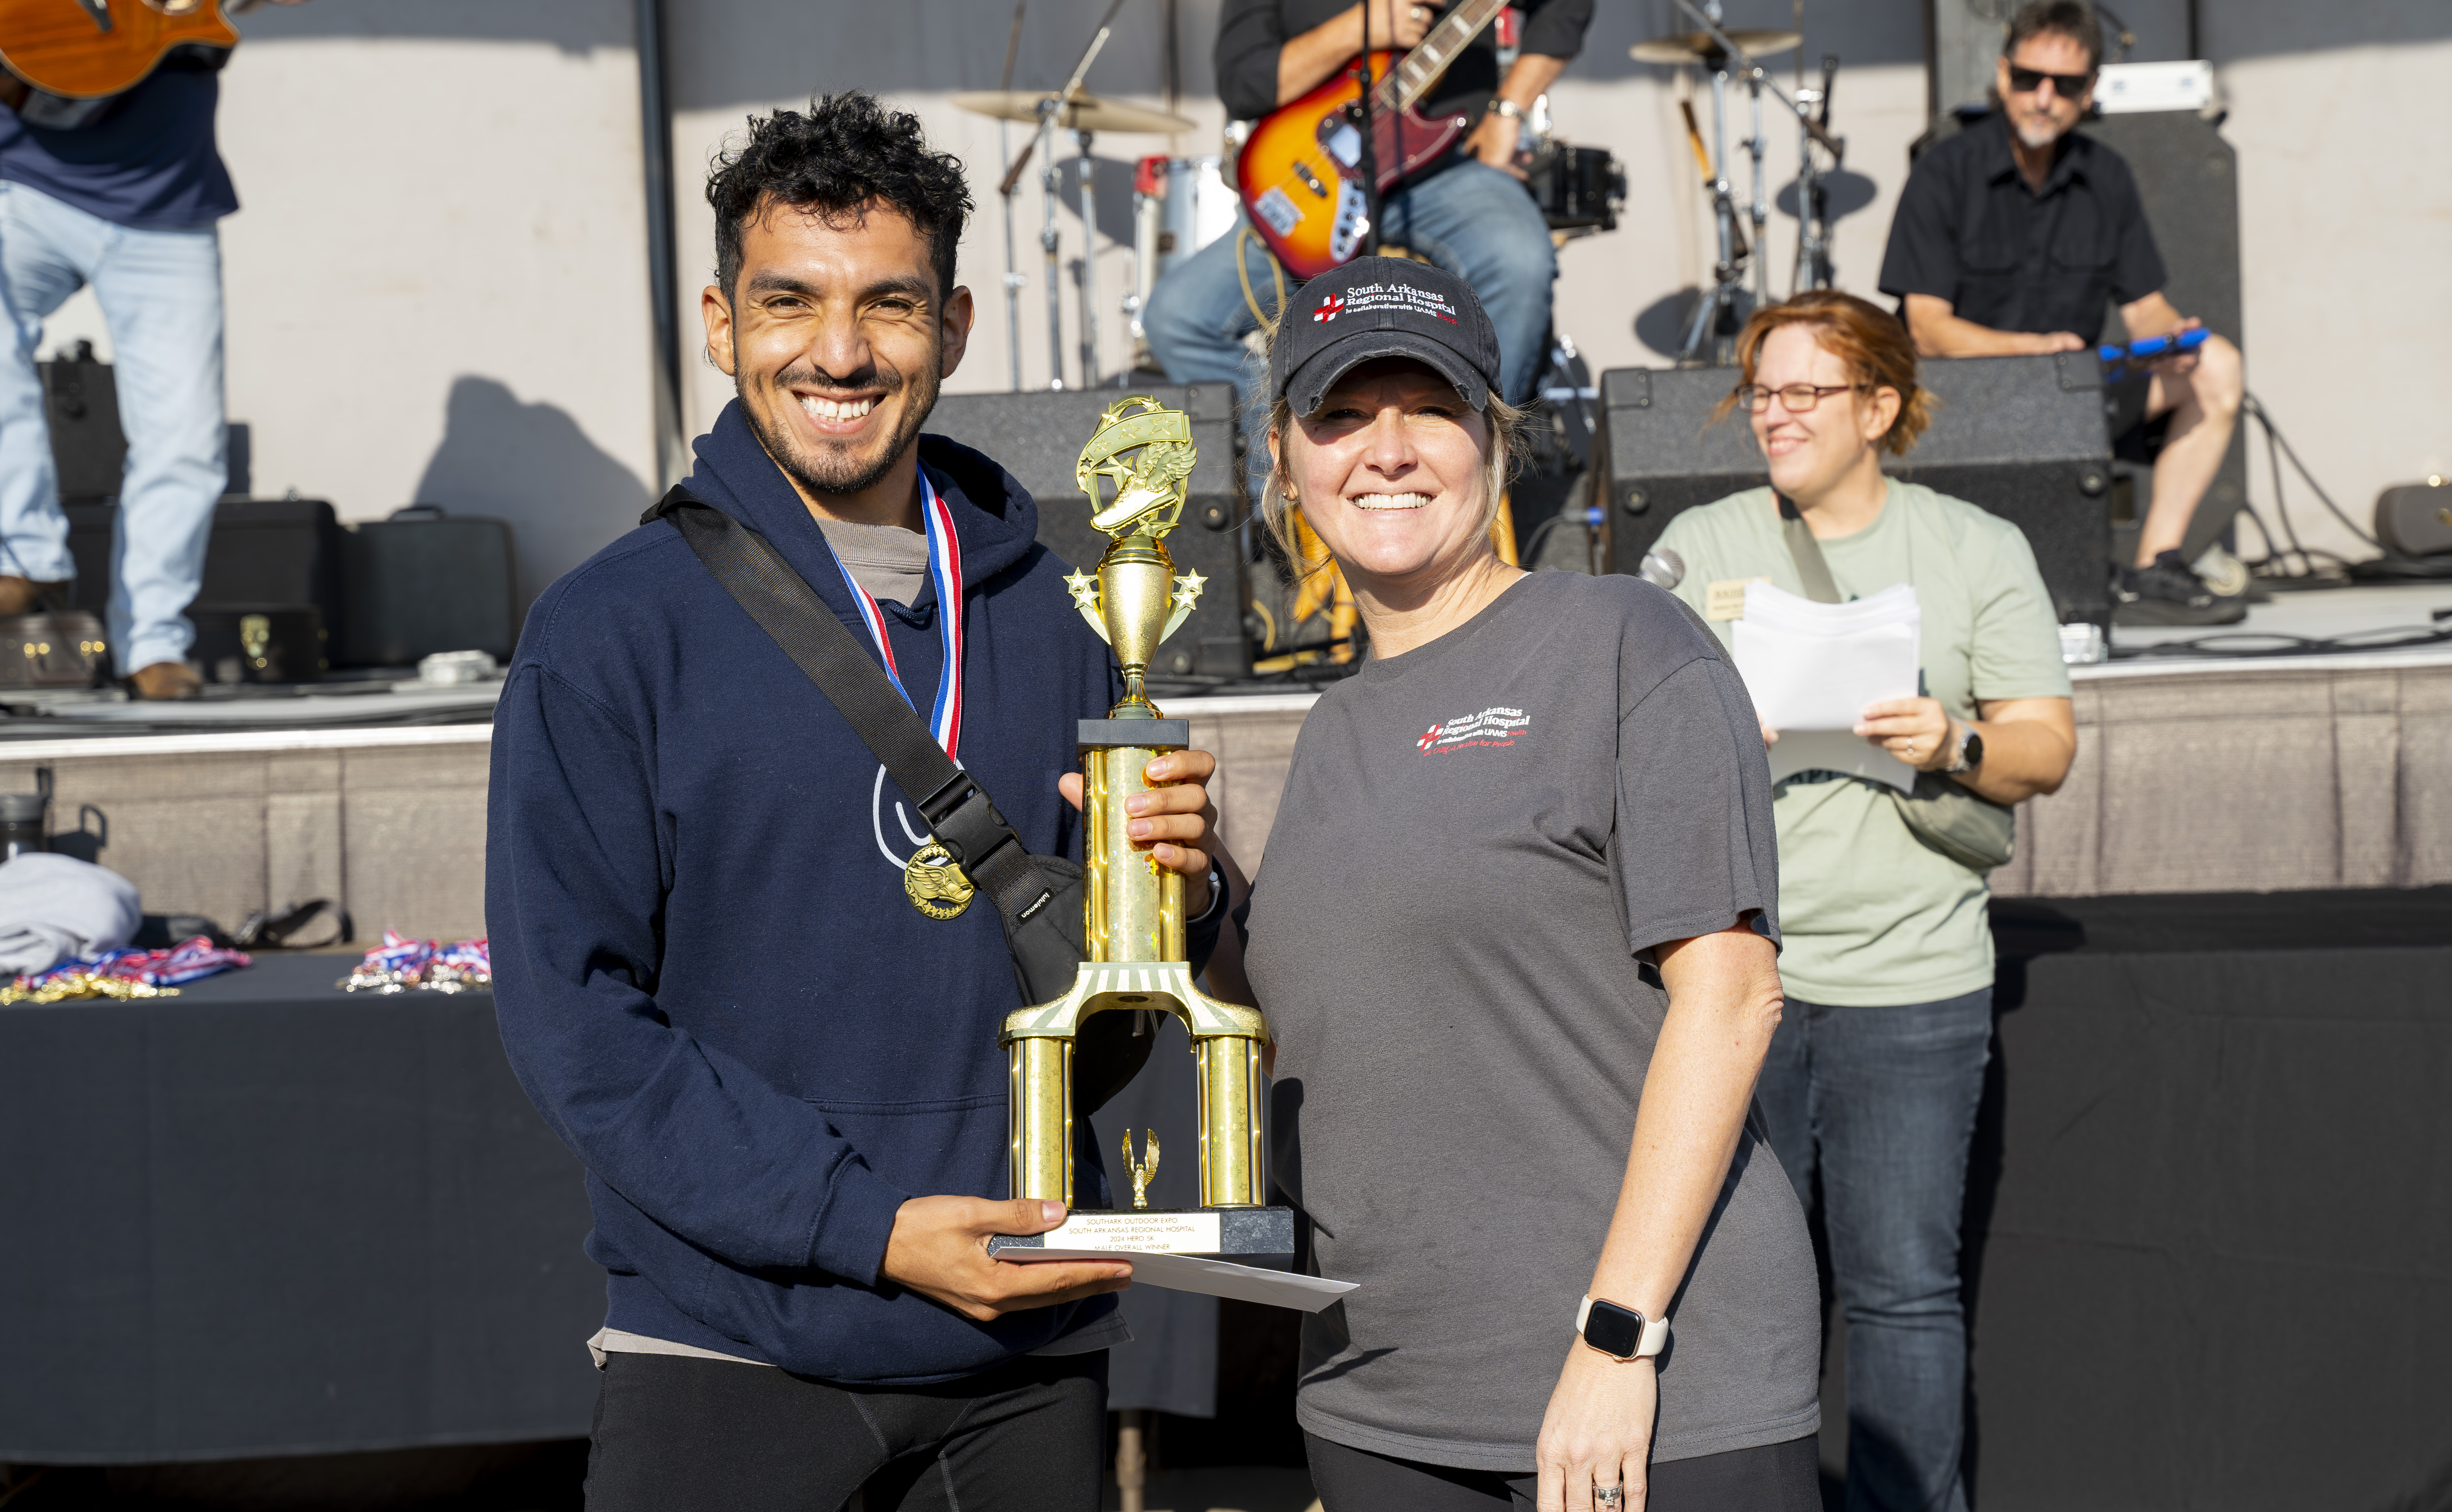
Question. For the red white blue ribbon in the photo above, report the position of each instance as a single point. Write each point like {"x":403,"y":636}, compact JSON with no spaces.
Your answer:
{"x":945,"y":571}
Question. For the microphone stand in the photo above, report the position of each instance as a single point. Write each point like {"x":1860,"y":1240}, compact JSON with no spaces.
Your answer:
{"x":1370,"y":162}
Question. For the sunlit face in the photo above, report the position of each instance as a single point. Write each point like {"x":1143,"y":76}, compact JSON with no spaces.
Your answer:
{"x":2044,"y":115}
{"x":1809,"y":452}
{"x":836,"y":337}
{"x":1393,"y":471}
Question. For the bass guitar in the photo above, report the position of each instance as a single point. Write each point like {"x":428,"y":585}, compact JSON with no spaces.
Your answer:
{"x":1299,"y":172}
{"x":89,"y":49}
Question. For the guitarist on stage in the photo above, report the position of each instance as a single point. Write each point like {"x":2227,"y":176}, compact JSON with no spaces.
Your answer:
{"x":127,"y":201}
{"x":1469,"y":213}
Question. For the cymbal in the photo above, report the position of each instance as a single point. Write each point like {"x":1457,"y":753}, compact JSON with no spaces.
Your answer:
{"x":1697,"y":47}
{"x":1086,"y":112}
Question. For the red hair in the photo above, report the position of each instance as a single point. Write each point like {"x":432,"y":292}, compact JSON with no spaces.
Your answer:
{"x":1869,"y":339}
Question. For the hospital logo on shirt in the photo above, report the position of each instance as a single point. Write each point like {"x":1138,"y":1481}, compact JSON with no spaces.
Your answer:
{"x":1494,"y":726}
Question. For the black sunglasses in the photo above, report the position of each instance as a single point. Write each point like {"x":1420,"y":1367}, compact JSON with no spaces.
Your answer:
{"x":2067,"y":86}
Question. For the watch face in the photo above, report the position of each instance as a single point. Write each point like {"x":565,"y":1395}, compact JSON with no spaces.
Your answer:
{"x":1973,"y":749}
{"x":1613,"y":1329}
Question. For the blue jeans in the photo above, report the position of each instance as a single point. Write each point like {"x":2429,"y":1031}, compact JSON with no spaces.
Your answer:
{"x":1881,"y":1103}
{"x":1469,"y":218}
{"x":160,"y":292}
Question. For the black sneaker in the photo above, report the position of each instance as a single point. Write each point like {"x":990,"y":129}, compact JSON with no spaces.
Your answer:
{"x":2169,"y":593}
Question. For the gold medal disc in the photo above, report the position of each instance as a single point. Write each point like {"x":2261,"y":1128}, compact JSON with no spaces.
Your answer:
{"x":937,"y":886}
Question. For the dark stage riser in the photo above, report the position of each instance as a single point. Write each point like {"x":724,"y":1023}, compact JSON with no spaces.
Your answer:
{"x":2021,"y":437}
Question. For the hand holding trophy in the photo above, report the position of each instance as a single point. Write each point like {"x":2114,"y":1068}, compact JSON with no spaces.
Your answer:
{"x":1133,"y":924}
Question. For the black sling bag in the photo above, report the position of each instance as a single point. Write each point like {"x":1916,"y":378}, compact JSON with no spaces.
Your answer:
{"x":1038,"y":897}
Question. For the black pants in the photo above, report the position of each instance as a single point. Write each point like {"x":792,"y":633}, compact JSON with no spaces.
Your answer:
{"x":1772,"y":1477}
{"x":675,"y":1434}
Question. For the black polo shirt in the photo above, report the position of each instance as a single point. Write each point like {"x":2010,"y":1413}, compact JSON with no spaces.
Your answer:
{"x":1971,"y":231}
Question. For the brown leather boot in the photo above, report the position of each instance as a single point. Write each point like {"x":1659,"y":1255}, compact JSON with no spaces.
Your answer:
{"x":167,"y":680}
{"x":19,"y":597}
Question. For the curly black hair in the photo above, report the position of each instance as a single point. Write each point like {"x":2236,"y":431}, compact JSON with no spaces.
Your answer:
{"x":846,"y":153}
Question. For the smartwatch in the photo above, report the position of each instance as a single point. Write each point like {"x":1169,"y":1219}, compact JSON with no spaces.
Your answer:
{"x":1971,"y":751}
{"x":1620,"y":1333}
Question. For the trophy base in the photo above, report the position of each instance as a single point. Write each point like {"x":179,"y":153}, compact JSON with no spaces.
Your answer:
{"x":1248,"y":1236}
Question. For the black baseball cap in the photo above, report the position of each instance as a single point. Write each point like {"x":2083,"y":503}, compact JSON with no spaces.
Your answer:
{"x":1382,"y":307}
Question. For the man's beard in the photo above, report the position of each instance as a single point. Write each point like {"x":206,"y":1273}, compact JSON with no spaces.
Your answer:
{"x":2037,"y":132}
{"x":834,"y":468}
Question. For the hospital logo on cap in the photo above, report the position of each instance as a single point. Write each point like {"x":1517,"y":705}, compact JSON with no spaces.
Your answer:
{"x":1328,"y":308}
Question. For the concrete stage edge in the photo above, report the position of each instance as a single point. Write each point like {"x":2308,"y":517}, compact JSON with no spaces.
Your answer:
{"x":2278,"y":775}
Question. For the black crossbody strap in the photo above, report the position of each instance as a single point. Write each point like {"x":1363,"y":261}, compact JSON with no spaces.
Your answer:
{"x":956,"y":809}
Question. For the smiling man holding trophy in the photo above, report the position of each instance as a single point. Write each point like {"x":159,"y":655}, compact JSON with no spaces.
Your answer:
{"x":757,"y":925}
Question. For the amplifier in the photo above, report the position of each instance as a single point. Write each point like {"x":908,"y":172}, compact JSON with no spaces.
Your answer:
{"x":81,"y":402}
{"x":2021,"y":437}
{"x":262,"y":551}
{"x":423,"y":581}
{"x":1038,"y":436}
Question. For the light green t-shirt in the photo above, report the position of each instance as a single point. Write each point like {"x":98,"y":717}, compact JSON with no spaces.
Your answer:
{"x":1869,"y":914}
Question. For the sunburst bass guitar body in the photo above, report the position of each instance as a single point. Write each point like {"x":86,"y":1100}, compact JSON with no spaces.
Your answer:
{"x":83,"y":49}
{"x":1300,"y":172}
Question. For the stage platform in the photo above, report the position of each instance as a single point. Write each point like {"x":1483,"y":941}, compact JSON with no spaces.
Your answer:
{"x":2195,"y":772}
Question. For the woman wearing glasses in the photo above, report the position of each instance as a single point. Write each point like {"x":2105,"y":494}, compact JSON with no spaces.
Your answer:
{"x":1876,"y":1069}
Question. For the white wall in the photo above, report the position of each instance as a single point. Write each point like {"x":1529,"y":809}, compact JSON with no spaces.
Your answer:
{"x":436,"y":284}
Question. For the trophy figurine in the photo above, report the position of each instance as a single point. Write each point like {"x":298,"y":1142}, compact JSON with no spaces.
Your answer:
{"x":1132,"y":908}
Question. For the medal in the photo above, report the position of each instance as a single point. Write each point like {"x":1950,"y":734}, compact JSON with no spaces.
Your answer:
{"x":935,"y":886}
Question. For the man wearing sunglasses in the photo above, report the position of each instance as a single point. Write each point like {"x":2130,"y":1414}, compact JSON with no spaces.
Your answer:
{"x":2012,"y":236}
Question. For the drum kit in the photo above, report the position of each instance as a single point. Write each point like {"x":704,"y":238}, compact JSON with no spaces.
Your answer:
{"x":1736,"y":55}
{"x":1181,"y":205}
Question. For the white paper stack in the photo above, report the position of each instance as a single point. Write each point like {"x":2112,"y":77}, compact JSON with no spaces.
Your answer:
{"x":1811,"y":668}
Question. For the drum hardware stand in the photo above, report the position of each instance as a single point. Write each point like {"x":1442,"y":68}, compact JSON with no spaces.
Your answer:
{"x":1760,"y":213}
{"x":1814,"y":269}
{"x":1717,"y":316}
{"x":1088,"y":291}
{"x":1720,"y":309}
{"x":1012,"y":280}
{"x":1050,"y":185}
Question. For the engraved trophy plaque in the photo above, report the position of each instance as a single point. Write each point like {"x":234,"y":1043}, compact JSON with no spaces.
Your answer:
{"x":1131,"y":909}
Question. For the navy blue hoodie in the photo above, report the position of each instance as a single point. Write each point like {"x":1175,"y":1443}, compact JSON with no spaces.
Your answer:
{"x":709,"y":977}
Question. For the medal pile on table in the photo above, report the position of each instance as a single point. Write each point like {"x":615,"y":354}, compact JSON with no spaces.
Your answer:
{"x":429,"y":966}
{"x":125,"y":973}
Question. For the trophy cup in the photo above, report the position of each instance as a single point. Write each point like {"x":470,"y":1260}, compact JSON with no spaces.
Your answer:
{"x":1132,"y":908}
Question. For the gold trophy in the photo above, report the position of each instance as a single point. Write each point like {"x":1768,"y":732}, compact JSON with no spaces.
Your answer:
{"x":1131,"y":909}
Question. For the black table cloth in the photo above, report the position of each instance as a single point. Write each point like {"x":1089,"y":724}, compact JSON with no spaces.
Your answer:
{"x":268,"y":1217}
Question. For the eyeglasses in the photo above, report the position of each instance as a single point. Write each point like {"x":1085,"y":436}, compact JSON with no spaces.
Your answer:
{"x":2067,"y":86}
{"x":1797,"y":398}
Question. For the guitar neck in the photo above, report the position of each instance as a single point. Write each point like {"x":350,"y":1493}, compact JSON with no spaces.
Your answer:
{"x":1420,"y":68}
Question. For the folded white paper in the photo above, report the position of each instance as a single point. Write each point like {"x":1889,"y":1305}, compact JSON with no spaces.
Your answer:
{"x":1216,"y":1278}
{"x":1812,"y":668}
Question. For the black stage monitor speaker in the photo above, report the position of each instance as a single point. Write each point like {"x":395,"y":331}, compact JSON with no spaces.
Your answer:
{"x":2022,"y":436}
{"x":262,"y":551}
{"x":423,"y":581}
{"x":81,"y":402}
{"x":1038,"y":436}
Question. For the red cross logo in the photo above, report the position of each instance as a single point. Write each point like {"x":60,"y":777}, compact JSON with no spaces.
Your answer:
{"x":1430,"y":738}
{"x":1328,"y":308}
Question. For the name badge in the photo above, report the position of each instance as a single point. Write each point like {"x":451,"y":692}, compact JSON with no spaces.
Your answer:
{"x":1725,"y":599}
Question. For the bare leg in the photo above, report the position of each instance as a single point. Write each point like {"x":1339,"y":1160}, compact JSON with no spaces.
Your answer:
{"x":2204,"y":403}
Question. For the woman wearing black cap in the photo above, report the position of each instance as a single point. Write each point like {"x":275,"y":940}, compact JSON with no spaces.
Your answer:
{"x":1516,"y":936}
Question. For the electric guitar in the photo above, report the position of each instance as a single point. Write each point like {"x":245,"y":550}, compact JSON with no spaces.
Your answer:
{"x":1299,"y":172}
{"x":88,"y":49}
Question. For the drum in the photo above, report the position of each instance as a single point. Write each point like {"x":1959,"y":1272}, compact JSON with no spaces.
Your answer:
{"x":1580,"y":188}
{"x":1180,"y":206}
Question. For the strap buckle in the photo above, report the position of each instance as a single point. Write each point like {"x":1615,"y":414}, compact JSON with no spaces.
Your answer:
{"x":965,"y":822}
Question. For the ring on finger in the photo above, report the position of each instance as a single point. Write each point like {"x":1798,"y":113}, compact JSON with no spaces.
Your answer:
{"x":1609,"y":1495}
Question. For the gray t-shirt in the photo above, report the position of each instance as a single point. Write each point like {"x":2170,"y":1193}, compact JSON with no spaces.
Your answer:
{"x":889,"y":562}
{"x":1480,"y":843}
